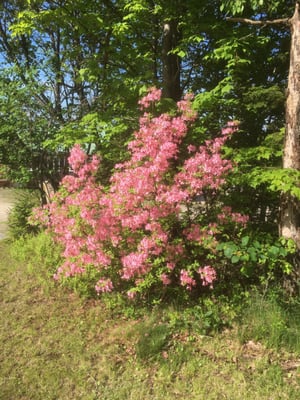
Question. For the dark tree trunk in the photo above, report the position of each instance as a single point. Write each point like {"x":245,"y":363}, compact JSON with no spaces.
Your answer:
{"x":171,"y":62}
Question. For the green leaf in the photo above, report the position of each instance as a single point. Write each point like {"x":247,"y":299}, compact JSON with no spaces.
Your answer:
{"x":228,"y":252}
{"x":274,"y":251}
{"x":253,"y":254}
{"x":245,"y":257}
{"x":181,"y":54}
{"x":235,"y":259}
{"x":245,"y":241}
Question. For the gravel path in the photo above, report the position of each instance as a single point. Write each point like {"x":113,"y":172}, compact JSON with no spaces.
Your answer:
{"x":7,"y":197}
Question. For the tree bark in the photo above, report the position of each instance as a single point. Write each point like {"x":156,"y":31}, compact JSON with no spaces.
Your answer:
{"x":289,"y":224}
{"x":290,"y":209}
{"x":171,"y":62}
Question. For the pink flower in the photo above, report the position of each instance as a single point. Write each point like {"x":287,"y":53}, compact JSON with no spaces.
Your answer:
{"x":208,"y":275}
{"x":142,"y":220}
{"x":193,"y":233}
{"x":104,"y":286}
{"x":134,"y":264}
{"x":165,"y":279}
{"x":171,"y":266}
{"x":191,"y":148}
{"x":187,"y":280}
{"x":152,"y":96}
{"x":77,"y":158}
{"x":231,"y":127}
{"x":228,"y":215}
{"x":131,"y":294}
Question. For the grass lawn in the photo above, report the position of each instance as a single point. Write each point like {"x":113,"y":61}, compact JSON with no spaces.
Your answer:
{"x":57,"y":346}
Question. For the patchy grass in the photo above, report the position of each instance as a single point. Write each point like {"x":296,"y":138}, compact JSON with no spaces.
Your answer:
{"x":274,"y":323}
{"x":57,"y":346}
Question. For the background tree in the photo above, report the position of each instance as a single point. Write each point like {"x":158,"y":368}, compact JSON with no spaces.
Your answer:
{"x":290,"y":213}
{"x":83,"y":65}
{"x":85,"y":62}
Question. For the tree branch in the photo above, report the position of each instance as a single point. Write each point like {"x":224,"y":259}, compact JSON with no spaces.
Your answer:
{"x":280,"y":21}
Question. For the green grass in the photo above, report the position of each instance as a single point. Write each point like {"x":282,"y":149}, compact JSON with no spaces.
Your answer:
{"x":274,"y":323}
{"x":56,"y":345}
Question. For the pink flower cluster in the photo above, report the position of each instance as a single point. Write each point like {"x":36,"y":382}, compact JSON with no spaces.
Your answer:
{"x":136,"y":226}
{"x":187,"y":280}
{"x":153,"y":96}
{"x":228,"y":215}
{"x":104,"y":286}
{"x":208,"y":275}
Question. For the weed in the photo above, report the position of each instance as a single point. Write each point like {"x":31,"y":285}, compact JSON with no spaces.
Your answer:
{"x":40,"y":256}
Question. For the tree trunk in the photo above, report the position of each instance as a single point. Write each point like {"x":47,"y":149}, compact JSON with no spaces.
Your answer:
{"x":290,"y":209}
{"x":171,"y":62}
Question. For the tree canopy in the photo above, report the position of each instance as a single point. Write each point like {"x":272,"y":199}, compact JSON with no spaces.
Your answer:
{"x":72,"y":72}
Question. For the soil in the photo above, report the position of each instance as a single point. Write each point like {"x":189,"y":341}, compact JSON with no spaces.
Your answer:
{"x":7,"y":197}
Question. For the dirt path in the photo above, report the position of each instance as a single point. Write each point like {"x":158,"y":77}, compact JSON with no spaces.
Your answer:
{"x":7,"y":197}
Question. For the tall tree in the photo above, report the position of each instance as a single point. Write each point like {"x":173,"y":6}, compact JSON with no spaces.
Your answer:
{"x":86,"y":61}
{"x":290,"y":218}
{"x":290,"y":205}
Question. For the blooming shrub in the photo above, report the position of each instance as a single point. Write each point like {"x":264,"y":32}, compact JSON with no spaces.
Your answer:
{"x":146,"y":229}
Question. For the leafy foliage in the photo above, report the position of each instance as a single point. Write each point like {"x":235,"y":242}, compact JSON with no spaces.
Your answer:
{"x":277,"y":180}
{"x":78,"y":88}
{"x":18,"y":223}
{"x":146,"y":232}
{"x":72,"y":73}
{"x":135,"y":227}
{"x":261,"y":258}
